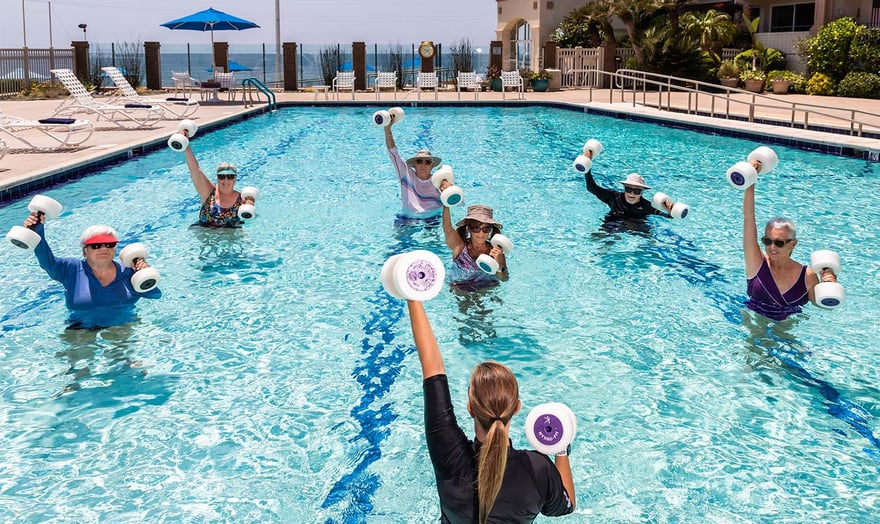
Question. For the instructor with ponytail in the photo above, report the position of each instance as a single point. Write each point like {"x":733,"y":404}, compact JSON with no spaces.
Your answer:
{"x":484,"y":480}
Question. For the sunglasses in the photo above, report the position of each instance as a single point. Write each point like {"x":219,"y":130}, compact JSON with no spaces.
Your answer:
{"x":225,"y":176}
{"x":424,"y":161}
{"x":632,"y":190}
{"x":99,"y":245}
{"x":480,"y":229}
{"x":777,"y":243}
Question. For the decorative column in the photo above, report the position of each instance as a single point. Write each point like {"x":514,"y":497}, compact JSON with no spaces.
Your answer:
{"x":153,"y":63}
{"x":290,"y":77}
{"x":81,"y":60}
{"x":221,"y":55}
{"x":359,"y":65}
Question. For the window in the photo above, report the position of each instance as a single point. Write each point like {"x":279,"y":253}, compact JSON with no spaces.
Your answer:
{"x":521,"y":46}
{"x":792,"y":17}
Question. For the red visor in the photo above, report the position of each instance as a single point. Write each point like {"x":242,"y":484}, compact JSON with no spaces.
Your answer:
{"x":101,"y":239}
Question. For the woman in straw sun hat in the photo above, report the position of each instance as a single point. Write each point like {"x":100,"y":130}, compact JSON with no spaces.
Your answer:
{"x":468,"y":240}
{"x":418,"y":196}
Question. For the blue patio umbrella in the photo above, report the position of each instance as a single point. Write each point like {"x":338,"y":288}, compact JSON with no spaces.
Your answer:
{"x":233,"y":67}
{"x":210,"y":20}
{"x":346,"y":66}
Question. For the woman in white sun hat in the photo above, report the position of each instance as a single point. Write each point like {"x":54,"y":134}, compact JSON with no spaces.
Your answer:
{"x":418,"y":196}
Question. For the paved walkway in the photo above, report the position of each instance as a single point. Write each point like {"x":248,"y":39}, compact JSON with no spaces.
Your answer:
{"x":110,"y":142}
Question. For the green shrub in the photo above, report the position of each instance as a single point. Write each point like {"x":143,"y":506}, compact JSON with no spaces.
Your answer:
{"x":865,"y":50}
{"x":820,"y":84}
{"x":769,"y":60}
{"x":860,"y":85}
{"x":828,"y":51}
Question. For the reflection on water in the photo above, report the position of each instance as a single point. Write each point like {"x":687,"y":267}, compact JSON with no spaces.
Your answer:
{"x":475,"y":308}
{"x":82,"y":346}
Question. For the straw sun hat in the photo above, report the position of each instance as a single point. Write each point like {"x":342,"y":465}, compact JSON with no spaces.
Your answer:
{"x":479,"y":213}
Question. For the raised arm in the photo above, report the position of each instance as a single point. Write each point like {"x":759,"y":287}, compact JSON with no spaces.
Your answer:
{"x":389,"y":138}
{"x":200,"y":181}
{"x":751,"y":249}
{"x":426,"y":343}
{"x":605,"y":195}
{"x":453,"y":240}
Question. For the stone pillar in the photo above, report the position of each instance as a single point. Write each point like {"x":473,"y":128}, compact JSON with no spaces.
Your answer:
{"x":288,"y":51}
{"x":153,"y":63}
{"x":496,"y":56}
{"x":221,"y":55}
{"x":607,"y":54}
{"x":427,"y":65}
{"x":550,"y":55}
{"x":81,"y":60}
{"x":359,"y":65}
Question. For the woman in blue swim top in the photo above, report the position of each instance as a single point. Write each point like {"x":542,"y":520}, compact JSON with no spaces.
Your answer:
{"x":468,"y":240}
{"x":220,"y":201}
{"x":777,"y":285}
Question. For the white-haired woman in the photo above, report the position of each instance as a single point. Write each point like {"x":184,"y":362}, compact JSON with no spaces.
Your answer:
{"x":96,"y":288}
{"x":220,"y":201}
{"x":777,"y":285}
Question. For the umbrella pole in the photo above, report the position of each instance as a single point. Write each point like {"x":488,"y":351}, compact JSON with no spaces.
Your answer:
{"x":213,"y":58}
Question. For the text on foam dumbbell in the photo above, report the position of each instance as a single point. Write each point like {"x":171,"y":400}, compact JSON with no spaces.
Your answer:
{"x":551,"y":427}
{"x":145,"y":279}
{"x":827,"y":294}
{"x":489,"y":264}
{"x":451,"y":195}
{"x":26,"y":238}
{"x":416,"y":275}
{"x":179,"y":141}
{"x":743,"y":174}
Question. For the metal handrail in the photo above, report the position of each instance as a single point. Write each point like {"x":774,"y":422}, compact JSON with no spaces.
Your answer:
{"x":247,"y":96}
{"x":637,"y":82}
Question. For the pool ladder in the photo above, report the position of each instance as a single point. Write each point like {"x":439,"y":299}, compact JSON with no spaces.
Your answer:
{"x":250,"y":98}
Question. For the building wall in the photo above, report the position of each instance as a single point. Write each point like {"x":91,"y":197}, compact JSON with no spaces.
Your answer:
{"x":543,"y":17}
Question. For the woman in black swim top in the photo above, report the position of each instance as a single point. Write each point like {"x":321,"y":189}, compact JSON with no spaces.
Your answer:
{"x":486,"y":480}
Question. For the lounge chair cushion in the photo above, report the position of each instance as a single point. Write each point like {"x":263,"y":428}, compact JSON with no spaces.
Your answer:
{"x":138,"y":106}
{"x":57,"y":120}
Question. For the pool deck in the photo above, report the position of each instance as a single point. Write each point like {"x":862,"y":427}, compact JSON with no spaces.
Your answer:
{"x":109,"y":143}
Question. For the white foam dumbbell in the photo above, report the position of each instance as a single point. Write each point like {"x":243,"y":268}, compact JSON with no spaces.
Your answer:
{"x":489,"y":264}
{"x":248,"y":211}
{"x":551,"y":428}
{"x":416,"y":275}
{"x":743,"y":174}
{"x":179,"y":141}
{"x":386,"y":117}
{"x":828,"y":294}
{"x":27,"y":238}
{"x":145,"y":279}
{"x":584,"y":162}
{"x":679,"y":209}
{"x":451,"y":195}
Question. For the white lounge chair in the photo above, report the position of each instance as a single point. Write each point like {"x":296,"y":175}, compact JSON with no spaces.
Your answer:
{"x":514,"y":80}
{"x":468,"y":81}
{"x":427,"y":81}
{"x":387,"y":80}
{"x":47,"y":134}
{"x":124,"y":115}
{"x":227,"y":83}
{"x":173,"y":108}
{"x":3,"y":148}
{"x":344,"y":81}
{"x":183,"y":84}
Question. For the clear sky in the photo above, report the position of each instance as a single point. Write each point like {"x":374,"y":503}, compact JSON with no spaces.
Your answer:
{"x":303,"y":21}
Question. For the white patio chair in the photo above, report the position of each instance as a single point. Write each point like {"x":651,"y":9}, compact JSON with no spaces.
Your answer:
{"x":514,"y":80}
{"x":386,"y":80}
{"x":125,"y":115}
{"x":468,"y":81}
{"x":343,"y":81}
{"x":427,"y":81}
{"x":172,"y":108}
{"x":184,"y":84}
{"x":48,"y":134}
{"x":227,"y":83}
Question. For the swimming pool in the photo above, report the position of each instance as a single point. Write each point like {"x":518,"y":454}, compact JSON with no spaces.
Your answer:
{"x":276,"y":382}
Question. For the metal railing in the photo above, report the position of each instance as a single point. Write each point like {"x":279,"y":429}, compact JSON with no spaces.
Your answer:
{"x":708,"y":99}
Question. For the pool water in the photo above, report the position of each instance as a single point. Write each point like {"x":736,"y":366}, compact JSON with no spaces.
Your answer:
{"x":276,"y":381}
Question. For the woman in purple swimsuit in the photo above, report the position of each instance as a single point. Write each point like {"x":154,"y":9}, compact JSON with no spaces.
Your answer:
{"x":220,"y":201}
{"x":468,"y":240}
{"x":777,"y":285}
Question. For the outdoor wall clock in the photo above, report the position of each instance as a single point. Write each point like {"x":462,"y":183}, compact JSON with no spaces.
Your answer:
{"x":426,"y":50}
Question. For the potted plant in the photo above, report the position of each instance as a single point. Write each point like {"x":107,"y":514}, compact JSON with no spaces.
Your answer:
{"x":753,"y":80}
{"x":728,"y":73}
{"x":780,"y":80}
{"x":541,"y":80}
{"x":493,"y":74}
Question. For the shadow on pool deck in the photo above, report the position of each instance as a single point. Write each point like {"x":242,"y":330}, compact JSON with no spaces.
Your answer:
{"x":24,"y":172}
